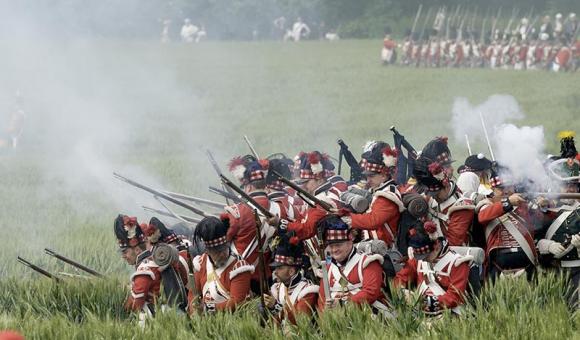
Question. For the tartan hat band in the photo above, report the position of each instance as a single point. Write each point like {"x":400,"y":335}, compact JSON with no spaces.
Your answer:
{"x":337,"y":235}
{"x":287,"y":260}
{"x":215,"y":242}
{"x":372,"y":167}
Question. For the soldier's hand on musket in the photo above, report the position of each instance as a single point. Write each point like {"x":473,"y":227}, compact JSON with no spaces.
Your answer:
{"x":542,"y":202}
{"x":269,"y":301}
{"x":516,"y":199}
{"x":333,"y":303}
{"x":274,"y":220}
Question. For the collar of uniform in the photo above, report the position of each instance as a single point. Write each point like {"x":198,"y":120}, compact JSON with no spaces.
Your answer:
{"x":384,"y":185}
{"x":338,"y":264}
{"x":451,"y":198}
{"x":144,"y":254}
{"x":258,"y":193}
{"x":295,"y":280}
{"x":277,"y":195}
{"x":335,"y":179}
{"x":323,"y":188}
{"x":231,"y":258}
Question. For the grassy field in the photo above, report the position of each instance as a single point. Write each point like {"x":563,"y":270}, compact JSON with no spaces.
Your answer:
{"x":151,"y":111}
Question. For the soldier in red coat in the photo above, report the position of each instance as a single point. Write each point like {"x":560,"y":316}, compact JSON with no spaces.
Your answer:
{"x":353,"y":277}
{"x":146,"y":280}
{"x":222,"y":278}
{"x":292,"y":205}
{"x":381,"y":219}
{"x":440,"y":274}
{"x":508,"y":229}
{"x":242,"y":230}
{"x":449,"y":210}
{"x":292,"y":293}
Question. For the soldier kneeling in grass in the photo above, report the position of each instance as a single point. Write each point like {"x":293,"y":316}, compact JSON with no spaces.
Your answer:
{"x":222,"y":278}
{"x":292,"y":294}
{"x":353,"y":277}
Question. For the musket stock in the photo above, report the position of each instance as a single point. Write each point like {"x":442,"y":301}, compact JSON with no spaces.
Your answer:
{"x":72,"y":263}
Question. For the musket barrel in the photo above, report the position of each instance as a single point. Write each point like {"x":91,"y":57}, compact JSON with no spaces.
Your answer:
{"x":72,"y":263}
{"x":196,"y":199}
{"x":37,"y":269}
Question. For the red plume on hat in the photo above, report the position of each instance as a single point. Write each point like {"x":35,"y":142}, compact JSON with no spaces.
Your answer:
{"x":314,"y":158}
{"x":389,"y":157}
{"x":264,"y":163}
{"x":237,"y":167}
{"x":443,"y":139}
{"x":431,"y":229}
{"x":436,"y":169}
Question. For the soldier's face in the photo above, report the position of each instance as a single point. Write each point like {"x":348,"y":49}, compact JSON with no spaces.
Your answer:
{"x":311,"y":185}
{"x":218,"y":255}
{"x":284,"y":273}
{"x":129,"y":255}
{"x":339,"y":251}
{"x":375,"y":179}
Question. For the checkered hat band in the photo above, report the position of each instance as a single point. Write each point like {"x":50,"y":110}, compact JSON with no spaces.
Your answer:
{"x":276,"y":185}
{"x":373,"y":167}
{"x":443,"y":158}
{"x":257,"y":175}
{"x":307,"y":174}
{"x":216,"y":242}
{"x":337,"y":235}
{"x":422,"y":250}
{"x":288,"y":260}
{"x":434,"y":188}
{"x":171,"y":238}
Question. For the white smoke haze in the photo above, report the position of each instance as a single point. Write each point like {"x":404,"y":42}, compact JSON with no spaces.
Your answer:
{"x":521,"y":150}
{"x":496,"y":110}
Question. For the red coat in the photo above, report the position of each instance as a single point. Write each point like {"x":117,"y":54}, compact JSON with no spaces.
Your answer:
{"x":242,"y":231}
{"x":365,"y":280}
{"x":453,"y":285}
{"x":382,"y":218}
{"x":454,"y":217}
{"x":234,"y":282}
{"x":299,"y":298}
{"x":291,"y":208}
{"x":389,"y":44}
{"x":145,"y":284}
{"x":490,"y":214}
{"x":563,"y":56}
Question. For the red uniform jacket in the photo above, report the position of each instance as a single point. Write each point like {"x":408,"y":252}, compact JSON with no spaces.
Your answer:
{"x":454,"y":217}
{"x":242,"y":231}
{"x":291,"y":207}
{"x":452,"y":278}
{"x":233,"y":282}
{"x":492,"y":214}
{"x":359,"y":280}
{"x":145,"y":283}
{"x":389,"y":44}
{"x":299,"y":298}
{"x":382,"y":219}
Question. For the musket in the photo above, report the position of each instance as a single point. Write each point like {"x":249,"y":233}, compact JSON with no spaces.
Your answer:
{"x":210,"y":203}
{"x":162,"y":195}
{"x":468,"y":146}
{"x":38,"y":269}
{"x":261,"y":260}
{"x":455,"y":14}
{"x":217,"y":170}
{"x":507,"y":30}
{"x":486,"y":137}
{"x":251,"y":147}
{"x":187,"y":219}
{"x":531,"y":26}
{"x":416,"y":20}
{"x":494,"y":24}
{"x":226,"y":194}
{"x":410,"y":149}
{"x":249,"y":200}
{"x":355,"y":168}
{"x":306,"y":196}
{"x":482,"y":35}
{"x":555,"y":195}
{"x":72,"y":263}
{"x":425,"y":24}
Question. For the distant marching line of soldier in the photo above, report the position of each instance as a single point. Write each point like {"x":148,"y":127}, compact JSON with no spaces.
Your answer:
{"x":454,"y":41}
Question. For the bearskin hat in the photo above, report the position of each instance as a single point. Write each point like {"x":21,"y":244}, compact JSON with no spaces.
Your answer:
{"x":212,"y":231}
{"x":567,"y":145}
{"x":128,"y":232}
{"x":287,"y":253}
{"x":334,"y":229}
{"x":281,"y":166}
{"x":437,"y":150}
{"x":315,"y":165}
{"x":478,"y":163}
{"x":430,"y":175}
{"x":378,"y":157}
{"x":237,"y":166}
{"x":156,"y":231}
